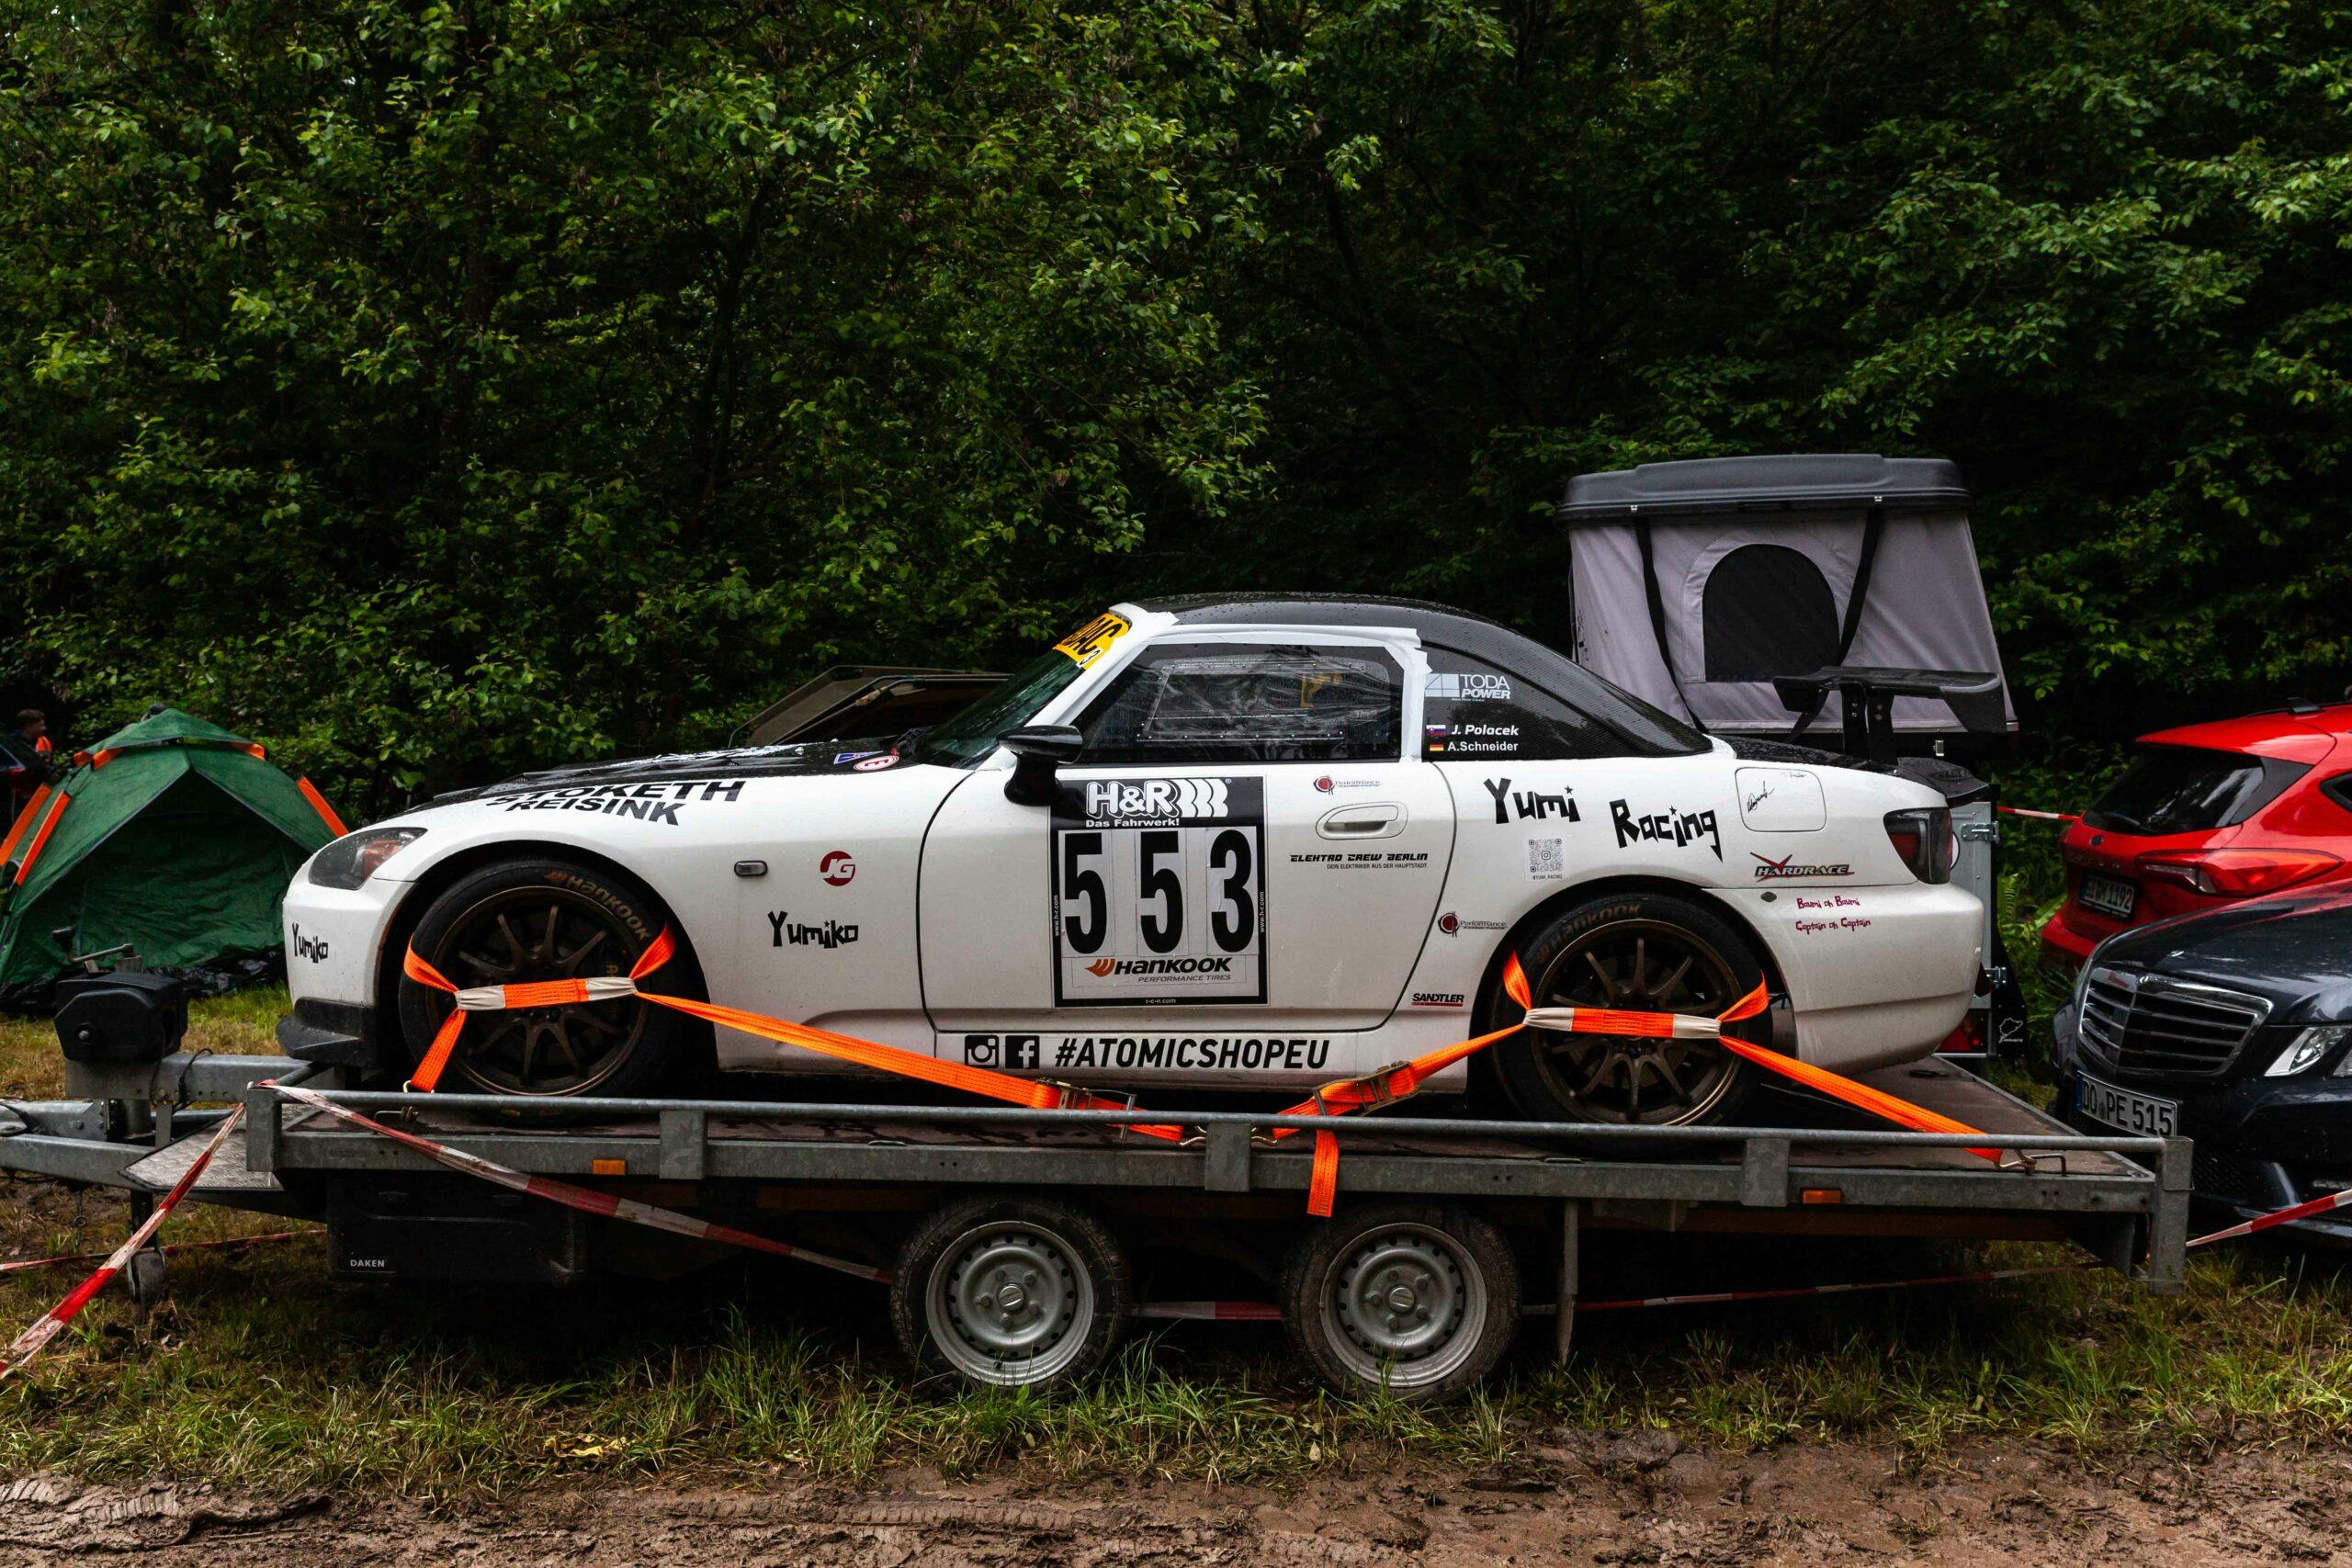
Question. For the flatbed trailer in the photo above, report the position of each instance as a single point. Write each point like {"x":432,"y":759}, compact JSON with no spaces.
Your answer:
{"x":1008,"y":1230}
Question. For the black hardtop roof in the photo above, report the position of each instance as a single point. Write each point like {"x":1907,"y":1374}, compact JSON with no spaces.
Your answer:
{"x":1777,"y":482}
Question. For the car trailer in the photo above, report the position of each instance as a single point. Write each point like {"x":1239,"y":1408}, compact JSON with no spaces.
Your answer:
{"x":1007,"y":1230}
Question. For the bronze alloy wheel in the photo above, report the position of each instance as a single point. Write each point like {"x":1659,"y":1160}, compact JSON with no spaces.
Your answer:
{"x":520,"y":921}
{"x":1654,"y":955}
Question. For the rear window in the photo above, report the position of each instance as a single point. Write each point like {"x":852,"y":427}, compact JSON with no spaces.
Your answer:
{"x":2183,"y":789}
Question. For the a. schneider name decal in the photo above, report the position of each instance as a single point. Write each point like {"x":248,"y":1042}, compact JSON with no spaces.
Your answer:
{"x":650,"y":802}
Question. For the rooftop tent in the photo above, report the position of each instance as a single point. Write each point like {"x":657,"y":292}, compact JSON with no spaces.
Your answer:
{"x":1698,"y":584}
{"x":174,"y":835}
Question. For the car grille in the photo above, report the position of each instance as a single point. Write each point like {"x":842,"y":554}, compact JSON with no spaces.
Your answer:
{"x":2161,"y":1027}
{"x":2234,"y":1177}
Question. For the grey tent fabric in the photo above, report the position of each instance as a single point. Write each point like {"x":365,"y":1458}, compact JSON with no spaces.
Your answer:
{"x":1734,"y":616}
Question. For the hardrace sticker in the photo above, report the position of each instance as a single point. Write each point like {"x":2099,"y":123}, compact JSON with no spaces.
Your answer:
{"x":1159,"y":892}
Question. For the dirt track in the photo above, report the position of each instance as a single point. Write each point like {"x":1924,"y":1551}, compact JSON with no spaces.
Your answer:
{"x":1606,"y":1500}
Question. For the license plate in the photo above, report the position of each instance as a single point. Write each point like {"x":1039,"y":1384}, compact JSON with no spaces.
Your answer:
{"x":2144,"y":1114}
{"x":2110,"y":895}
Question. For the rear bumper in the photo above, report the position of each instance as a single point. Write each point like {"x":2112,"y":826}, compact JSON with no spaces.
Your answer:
{"x":2065,"y":947}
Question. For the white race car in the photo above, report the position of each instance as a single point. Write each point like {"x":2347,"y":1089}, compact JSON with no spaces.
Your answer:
{"x":1232,"y":843}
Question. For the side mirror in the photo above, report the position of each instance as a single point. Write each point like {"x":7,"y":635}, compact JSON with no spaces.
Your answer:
{"x":1038,"y":750}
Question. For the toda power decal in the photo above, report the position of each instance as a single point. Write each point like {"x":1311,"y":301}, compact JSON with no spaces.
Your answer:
{"x":649,"y":802}
{"x":1785,"y":868}
{"x":1478,"y":688}
{"x":1530,"y":805}
{"x":1671,"y":827}
{"x":1166,"y":1053}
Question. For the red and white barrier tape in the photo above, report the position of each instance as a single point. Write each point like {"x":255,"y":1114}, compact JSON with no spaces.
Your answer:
{"x":2038,"y":816}
{"x":28,"y":1344}
{"x":2276,"y":1217}
{"x":19,"y":1264}
{"x":584,"y":1199}
{"x":1211,"y":1311}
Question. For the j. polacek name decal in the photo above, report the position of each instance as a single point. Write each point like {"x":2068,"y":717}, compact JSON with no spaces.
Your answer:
{"x":652,"y":802}
{"x":783,"y":928}
{"x":1669,"y":827}
{"x":1182,"y":1053}
{"x":1532,"y":803}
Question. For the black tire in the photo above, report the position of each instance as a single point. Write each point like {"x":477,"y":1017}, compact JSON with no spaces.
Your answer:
{"x":1417,"y":1299}
{"x":544,"y":919}
{"x":1011,"y":1292}
{"x":1629,"y":950}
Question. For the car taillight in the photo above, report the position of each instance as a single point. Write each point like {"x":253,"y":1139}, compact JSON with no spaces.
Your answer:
{"x":1922,"y":837}
{"x":2236,"y":874}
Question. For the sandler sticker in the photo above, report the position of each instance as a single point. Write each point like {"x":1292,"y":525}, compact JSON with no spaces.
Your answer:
{"x":1089,"y":642}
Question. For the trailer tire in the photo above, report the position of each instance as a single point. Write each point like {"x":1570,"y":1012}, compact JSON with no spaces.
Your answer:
{"x":1416,"y":1300}
{"x":1010,"y":1293}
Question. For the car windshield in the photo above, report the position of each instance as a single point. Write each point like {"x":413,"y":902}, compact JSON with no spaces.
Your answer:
{"x":2182,"y":789}
{"x":973,"y":733}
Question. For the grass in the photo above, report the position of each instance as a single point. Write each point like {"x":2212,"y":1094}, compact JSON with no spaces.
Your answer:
{"x":256,"y":1370}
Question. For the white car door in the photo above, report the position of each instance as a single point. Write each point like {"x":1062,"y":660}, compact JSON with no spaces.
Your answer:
{"x":1244,"y":861}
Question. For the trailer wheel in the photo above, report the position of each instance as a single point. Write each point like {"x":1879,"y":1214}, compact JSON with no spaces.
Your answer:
{"x":1013,"y":1293}
{"x":1416,"y":1299}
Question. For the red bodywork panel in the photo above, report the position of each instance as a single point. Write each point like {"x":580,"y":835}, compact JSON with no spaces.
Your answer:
{"x":2281,"y":841}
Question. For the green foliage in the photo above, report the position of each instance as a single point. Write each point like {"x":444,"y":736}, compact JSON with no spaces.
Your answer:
{"x":428,"y":390}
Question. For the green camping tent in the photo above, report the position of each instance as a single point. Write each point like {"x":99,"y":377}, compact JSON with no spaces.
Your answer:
{"x":174,"y":835}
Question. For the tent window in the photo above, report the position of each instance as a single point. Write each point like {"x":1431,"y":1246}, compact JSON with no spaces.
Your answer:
{"x":1768,"y":612}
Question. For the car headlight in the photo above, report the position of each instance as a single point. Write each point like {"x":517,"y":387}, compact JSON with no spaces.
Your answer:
{"x":354,"y":858}
{"x":2304,"y":1051}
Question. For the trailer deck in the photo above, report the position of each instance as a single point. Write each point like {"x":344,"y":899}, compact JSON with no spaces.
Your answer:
{"x":1822,"y":1172}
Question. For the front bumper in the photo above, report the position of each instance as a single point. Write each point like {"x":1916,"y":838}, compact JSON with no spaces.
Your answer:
{"x":2261,"y":1143}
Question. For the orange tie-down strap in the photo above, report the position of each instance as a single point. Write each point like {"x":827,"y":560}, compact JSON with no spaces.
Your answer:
{"x":1370,"y":1092}
{"x":1037,"y":1094}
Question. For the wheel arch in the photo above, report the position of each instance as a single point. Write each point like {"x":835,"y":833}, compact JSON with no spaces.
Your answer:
{"x":1483,"y":1082}
{"x":447,"y":872}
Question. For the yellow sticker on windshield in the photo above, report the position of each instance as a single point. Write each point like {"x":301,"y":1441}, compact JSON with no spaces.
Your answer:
{"x":1088,"y":643}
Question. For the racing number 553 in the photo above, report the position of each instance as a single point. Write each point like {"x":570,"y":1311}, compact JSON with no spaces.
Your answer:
{"x":1160,"y":907}
{"x":1168,"y":906}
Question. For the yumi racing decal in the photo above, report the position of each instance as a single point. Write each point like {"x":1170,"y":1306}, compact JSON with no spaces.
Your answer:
{"x":1159,"y":892}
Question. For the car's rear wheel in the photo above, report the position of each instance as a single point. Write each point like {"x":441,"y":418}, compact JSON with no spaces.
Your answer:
{"x":522,"y":921}
{"x":1639,"y":952}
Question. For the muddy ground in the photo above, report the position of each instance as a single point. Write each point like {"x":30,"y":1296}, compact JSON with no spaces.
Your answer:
{"x":1643,"y":1498}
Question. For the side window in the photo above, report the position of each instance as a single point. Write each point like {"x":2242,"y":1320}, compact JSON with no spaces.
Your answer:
{"x":1472,"y":709}
{"x":1769,"y":611}
{"x":1249,"y":702}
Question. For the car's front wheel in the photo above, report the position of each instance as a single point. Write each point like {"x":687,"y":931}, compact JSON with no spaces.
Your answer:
{"x":1638,"y":953}
{"x":522,"y":921}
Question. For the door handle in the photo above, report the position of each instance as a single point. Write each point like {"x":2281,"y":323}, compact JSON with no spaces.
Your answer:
{"x":1380,"y":822}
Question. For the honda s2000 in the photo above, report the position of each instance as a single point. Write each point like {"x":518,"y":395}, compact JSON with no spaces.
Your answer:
{"x":1230,"y":843}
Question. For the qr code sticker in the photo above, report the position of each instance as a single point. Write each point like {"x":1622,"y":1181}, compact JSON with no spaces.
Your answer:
{"x":1543,"y":861}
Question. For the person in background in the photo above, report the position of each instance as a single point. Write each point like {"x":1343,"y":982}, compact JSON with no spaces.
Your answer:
{"x":32,"y":729}
{"x":24,"y":761}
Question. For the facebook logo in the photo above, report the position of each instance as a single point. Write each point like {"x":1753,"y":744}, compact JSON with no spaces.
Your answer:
{"x":1001,"y":1049}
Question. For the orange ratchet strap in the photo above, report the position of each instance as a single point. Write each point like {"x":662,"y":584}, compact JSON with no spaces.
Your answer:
{"x":1036,"y":1094}
{"x":1370,"y":1092}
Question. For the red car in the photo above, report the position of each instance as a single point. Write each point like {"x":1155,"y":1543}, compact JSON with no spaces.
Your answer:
{"x":2206,"y":814}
